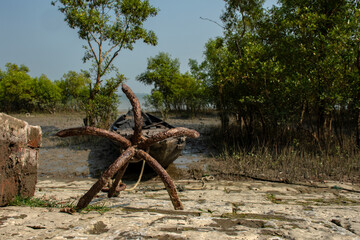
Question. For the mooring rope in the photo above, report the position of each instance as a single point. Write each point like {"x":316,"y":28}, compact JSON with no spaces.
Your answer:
{"x":139,"y":179}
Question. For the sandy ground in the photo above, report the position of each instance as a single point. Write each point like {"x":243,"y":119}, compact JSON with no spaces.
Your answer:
{"x":214,"y":209}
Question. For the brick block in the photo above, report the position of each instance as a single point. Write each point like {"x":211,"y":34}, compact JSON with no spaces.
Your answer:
{"x":19,"y":153}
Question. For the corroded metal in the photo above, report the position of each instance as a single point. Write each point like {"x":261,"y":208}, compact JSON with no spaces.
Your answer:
{"x":137,"y":113}
{"x":94,"y":132}
{"x":134,"y":149}
{"x":114,"y":189}
{"x":165,"y":177}
{"x":174,"y":132}
{"x":103,"y":180}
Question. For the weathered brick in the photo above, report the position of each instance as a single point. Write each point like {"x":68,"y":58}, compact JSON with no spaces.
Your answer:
{"x":34,"y":137}
{"x":19,"y":153}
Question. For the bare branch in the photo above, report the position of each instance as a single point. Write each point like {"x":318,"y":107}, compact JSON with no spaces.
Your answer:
{"x":120,"y":45}
{"x":116,"y":18}
{"x":93,"y":37}
{"x":210,"y":20}
{"x":92,"y":49}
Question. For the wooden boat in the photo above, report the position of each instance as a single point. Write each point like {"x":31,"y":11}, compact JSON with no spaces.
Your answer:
{"x":166,"y":151}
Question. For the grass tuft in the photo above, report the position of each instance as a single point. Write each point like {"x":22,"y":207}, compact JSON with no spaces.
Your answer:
{"x":33,"y":202}
{"x":47,"y":203}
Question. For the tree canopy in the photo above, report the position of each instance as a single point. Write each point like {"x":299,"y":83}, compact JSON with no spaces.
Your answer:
{"x":294,"y":66}
{"x":20,"y":92}
{"x":172,"y":90}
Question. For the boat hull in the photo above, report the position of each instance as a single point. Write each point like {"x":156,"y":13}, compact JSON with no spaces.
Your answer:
{"x":165,"y":152}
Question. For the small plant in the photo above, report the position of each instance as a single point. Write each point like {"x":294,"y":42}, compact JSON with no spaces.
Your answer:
{"x":101,"y":208}
{"x":272,"y":198}
{"x":33,"y":202}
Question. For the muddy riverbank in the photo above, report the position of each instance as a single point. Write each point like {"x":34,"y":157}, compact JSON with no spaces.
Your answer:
{"x":87,"y":157}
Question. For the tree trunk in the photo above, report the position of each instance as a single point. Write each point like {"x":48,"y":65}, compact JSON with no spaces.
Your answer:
{"x":224,"y":116}
{"x":358,"y":128}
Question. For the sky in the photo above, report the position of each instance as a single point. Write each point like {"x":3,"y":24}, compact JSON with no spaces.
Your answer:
{"x":34,"y":33}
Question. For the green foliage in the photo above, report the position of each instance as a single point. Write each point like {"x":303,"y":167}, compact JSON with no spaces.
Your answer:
{"x":293,"y":66}
{"x":156,"y":100}
{"x":33,"y":202}
{"x":47,"y":94}
{"x":214,"y":72}
{"x":20,"y":92}
{"x":15,"y":89}
{"x":172,"y":90}
{"x":313,"y":44}
{"x":104,"y":105}
{"x":75,"y":90}
{"x":48,"y":203}
{"x":107,"y":26}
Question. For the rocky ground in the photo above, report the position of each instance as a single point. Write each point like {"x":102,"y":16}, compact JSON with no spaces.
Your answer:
{"x":214,"y":209}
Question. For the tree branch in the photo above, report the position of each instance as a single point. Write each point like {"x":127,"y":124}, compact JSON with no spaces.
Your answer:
{"x":120,"y":45}
{"x":210,"y":20}
{"x":92,"y":49}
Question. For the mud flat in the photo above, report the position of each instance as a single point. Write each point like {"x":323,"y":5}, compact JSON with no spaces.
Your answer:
{"x":214,"y":210}
{"x":70,"y":158}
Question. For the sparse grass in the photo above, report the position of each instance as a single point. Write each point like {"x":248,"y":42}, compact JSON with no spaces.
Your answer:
{"x":48,"y":203}
{"x":294,"y":158}
{"x":100,"y":208}
{"x":272,"y":198}
{"x":339,"y":200}
{"x":33,"y":202}
{"x":291,"y":165}
{"x":258,"y":216}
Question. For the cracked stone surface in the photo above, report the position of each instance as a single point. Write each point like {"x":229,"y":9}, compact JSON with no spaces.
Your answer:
{"x":221,"y":210}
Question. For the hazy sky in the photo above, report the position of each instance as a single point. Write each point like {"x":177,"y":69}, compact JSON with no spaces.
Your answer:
{"x":33,"y":33}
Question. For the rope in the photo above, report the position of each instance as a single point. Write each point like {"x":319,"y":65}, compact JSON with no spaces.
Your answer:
{"x":206,"y":179}
{"x":139,"y":179}
{"x":203,"y":182}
